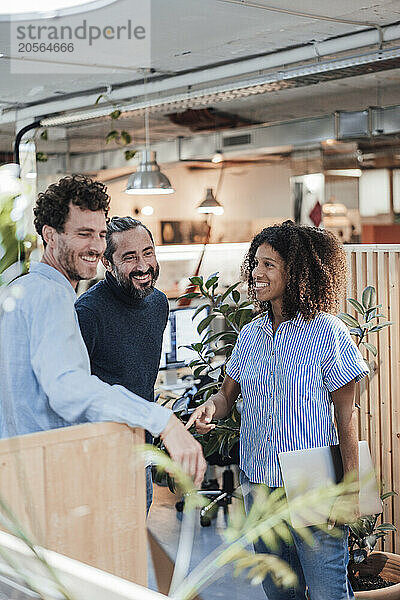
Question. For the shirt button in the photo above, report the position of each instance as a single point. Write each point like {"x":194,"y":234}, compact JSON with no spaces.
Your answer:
{"x":269,"y":416}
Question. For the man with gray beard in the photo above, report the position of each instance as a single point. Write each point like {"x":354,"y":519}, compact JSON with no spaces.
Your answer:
{"x":123,"y":317}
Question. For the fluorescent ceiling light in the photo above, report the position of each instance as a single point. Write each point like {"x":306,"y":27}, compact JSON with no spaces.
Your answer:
{"x":269,"y":82}
{"x":344,"y":172}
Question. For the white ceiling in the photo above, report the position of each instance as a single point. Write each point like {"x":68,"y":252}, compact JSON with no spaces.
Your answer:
{"x":191,"y":36}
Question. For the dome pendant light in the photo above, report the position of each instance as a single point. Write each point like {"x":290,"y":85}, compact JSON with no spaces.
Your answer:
{"x":210,"y":205}
{"x":148,"y":178}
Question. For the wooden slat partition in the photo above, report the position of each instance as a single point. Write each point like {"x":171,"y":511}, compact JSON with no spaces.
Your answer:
{"x":80,"y":491}
{"x":379,"y":397}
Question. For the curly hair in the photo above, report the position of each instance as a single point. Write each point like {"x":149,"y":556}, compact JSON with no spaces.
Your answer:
{"x":315,"y":264}
{"x":52,"y":206}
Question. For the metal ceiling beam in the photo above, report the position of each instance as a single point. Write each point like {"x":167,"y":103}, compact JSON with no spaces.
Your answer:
{"x":194,"y":82}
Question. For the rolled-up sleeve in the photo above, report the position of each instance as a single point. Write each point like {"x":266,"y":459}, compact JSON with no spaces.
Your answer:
{"x":60,"y":362}
{"x":343,"y":361}
{"x":233,"y":364}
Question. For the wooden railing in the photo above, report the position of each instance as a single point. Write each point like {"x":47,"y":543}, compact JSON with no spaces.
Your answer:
{"x":379,"y":396}
{"x":80,"y":491}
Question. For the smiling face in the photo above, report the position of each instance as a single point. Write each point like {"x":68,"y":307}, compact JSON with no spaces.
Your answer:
{"x":269,"y":275}
{"x":76,"y":251}
{"x":134,"y":264}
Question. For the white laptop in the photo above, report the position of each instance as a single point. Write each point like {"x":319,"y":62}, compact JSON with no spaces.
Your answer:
{"x":305,"y":470}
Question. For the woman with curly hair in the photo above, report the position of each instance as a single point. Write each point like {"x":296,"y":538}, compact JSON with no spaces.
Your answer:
{"x":291,"y":365}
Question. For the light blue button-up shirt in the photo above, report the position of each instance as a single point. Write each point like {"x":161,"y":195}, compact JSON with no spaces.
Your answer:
{"x":286,"y":382}
{"x":45,"y":368}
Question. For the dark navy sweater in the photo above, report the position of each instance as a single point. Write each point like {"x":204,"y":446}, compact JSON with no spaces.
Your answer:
{"x":123,"y":336}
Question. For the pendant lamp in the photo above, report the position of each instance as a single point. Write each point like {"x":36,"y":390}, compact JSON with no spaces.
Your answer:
{"x":148,"y":179}
{"x":210,"y":204}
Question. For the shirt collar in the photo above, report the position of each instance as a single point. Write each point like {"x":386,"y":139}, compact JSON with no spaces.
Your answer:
{"x":53,"y":274}
{"x":265,"y":322}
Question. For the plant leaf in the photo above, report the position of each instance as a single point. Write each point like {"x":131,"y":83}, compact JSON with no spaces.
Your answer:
{"x":369,"y":297}
{"x":359,"y":308}
{"x":199,"y":371}
{"x":112,"y":135}
{"x":236,"y":296}
{"x":190,"y":295}
{"x":129,"y":154}
{"x":208,"y":386}
{"x":229,"y":290}
{"x":125,"y":137}
{"x":115,"y":114}
{"x":196,"y":281}
{"x":388,"y":495}
{"x":386,"y":527}
{"x":202,"y":307}
{"x":370,"y":347}
{"x":205,"y":322}
{"x":348,"y":319}
{"x":356,"y":331}
{"x":211,"y":280}
{"x":379,"y":327}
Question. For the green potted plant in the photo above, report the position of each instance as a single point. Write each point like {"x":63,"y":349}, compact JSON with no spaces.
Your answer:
{"x":370,"y":571}
{"x":374,"y":575}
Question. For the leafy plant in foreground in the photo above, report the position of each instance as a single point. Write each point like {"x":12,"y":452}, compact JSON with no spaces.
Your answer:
{"x":268,"y":519}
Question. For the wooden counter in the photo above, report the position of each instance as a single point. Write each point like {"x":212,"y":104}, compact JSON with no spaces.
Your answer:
{"x":81,"y":491}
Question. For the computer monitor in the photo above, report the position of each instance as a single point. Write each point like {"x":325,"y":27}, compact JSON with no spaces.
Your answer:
{"x":181,"y":330}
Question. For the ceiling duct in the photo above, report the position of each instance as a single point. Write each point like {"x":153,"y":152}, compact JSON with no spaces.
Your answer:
{"x":208,"y":119}
{"x":243,"y":139}
{"x":352,"y":124}
{"x":304,"y":75}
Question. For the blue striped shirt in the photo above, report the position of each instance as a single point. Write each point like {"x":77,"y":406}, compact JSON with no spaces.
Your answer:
{"x":286,"y":380}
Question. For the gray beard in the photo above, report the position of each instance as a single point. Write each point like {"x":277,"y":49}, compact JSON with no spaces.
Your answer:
{"x":134,"y":292}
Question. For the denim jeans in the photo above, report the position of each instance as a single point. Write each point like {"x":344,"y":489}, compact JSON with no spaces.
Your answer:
{"x":149,"y":489}
{"x":320,"y":568}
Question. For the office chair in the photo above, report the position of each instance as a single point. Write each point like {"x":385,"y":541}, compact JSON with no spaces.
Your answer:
{"x":218,"y":496}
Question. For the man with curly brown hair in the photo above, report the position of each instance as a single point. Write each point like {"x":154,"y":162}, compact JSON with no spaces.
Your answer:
{"x":292,"y":365}
{"x":44,"y":364}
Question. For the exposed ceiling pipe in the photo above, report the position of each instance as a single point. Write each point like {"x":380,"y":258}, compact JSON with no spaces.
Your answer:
{"x":19,"y":137}
{"x":227,"y":71}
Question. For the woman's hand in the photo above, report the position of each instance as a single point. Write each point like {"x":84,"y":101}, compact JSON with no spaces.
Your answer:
{"x":202,"y":417}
